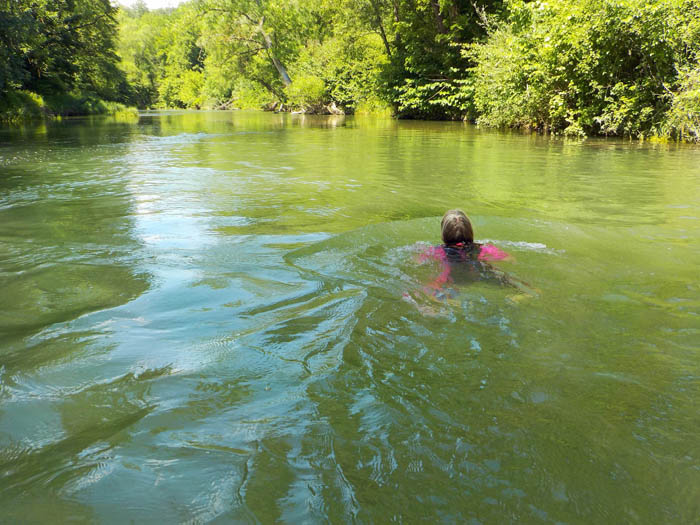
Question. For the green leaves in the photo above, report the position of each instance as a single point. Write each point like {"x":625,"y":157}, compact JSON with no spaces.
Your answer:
{"x":684,"y":115}
{"x":306,"y":92}
{"x":58,"y":45}
{"x":622,"y":67}
{"x":596,"y":66}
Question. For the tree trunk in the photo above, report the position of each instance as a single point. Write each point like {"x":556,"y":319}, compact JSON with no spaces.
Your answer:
{"x":397,"y":18}
{"x":380,"y":26}
{"x":268,"y":46}
{"x":438,"y":17}
{"x":278,"y":65}
{"x":268,"y":87}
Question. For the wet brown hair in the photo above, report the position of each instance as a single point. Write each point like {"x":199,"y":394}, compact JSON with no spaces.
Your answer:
{"x":456,"y":228}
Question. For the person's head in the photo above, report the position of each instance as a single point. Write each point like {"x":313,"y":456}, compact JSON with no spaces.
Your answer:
{"x":456,"y":228}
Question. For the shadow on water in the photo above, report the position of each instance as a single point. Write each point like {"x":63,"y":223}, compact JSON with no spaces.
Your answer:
{"x":67,"y":250}
{"x":80,"y":456}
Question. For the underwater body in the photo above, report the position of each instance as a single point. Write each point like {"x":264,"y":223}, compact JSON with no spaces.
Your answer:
{"x":203,"y":318}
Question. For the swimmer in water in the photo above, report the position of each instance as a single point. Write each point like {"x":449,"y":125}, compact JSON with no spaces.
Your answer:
{"x":462,"y":259}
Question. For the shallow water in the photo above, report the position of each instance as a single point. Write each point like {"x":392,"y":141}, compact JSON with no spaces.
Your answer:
{"x":202,"y":318}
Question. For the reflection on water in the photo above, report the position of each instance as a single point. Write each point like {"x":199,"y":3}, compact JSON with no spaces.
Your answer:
{"x":202,"y":318}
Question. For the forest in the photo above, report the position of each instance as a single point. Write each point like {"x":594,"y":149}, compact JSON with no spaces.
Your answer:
{"x":628,"y":68}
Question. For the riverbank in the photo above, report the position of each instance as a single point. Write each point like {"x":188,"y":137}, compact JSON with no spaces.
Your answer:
{"x":23,"y":106}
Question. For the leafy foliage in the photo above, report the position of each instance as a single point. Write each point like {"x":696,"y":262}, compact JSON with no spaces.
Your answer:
{"x":595,"y":66}
{"x":59,"y":45}
{"x":428,"y":76}
{"x":306,"y":92}
{"x":348,"y":68}
{"x":57,"y":58}
{"x":614,"y":67}
{"x":684,"y":116}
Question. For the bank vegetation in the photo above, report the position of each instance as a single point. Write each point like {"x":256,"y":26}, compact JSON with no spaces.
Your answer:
{"x":626,"y":68}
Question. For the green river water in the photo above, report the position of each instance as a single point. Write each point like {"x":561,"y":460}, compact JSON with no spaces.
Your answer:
{"x":203,"y":319}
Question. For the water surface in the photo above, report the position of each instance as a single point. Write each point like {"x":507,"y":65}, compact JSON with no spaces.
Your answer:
{"x":202,"y":318}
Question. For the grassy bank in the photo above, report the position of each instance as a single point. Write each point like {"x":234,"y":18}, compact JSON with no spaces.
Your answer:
{"x":23,"y":106}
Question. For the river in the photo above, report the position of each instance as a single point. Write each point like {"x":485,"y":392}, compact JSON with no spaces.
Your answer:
{"x":203,"y":317}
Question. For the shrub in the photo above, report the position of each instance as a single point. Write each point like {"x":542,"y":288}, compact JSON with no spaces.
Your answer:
{"x":17,"y":106}
{"x":593,"y":66}
{"x":684,"y":116}
{"x":306,"y":93}
{"x":348,"y":65}
{"x":190,"y":93}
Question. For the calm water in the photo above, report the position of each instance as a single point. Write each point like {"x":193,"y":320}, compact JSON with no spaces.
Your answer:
{"x":201,"y":319}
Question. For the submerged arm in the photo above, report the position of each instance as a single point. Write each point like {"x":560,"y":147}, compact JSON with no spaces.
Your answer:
{"x":508,"y":280}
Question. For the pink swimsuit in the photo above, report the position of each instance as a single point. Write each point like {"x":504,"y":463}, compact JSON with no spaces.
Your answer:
{"x":459,"y":252}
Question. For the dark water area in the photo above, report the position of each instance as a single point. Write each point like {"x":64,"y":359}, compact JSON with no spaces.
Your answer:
{"x":203,"y":318}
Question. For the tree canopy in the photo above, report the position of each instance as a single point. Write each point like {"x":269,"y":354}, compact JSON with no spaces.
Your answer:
{"x":50,"y":46}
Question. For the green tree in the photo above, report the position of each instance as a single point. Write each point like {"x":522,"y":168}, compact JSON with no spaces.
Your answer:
{"x":141,"y":60}
{"x":593,"y":66}
{"x":428,"y":76}
{"x":60,"y":45}
{"x":258,"y":37}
